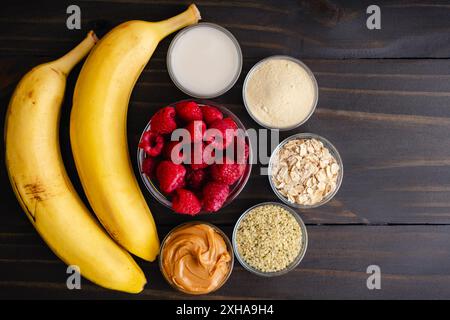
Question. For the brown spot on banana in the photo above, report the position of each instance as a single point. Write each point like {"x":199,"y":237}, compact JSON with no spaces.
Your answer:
{"x":36,"y":190}
{"x":29,"y":213}
{"x":59,"y":72}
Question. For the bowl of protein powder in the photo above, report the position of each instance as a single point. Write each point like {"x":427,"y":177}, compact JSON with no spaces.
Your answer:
{"x":280,"y":92}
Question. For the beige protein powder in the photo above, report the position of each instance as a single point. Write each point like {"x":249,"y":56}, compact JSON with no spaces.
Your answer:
{"x":280,"y":93}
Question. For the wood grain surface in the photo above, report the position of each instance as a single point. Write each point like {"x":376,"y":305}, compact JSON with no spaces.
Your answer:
{"x":384,"y":102}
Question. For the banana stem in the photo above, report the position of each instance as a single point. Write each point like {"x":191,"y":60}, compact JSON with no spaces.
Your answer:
{"x":70,"y":59}
{"x":190,"y":16}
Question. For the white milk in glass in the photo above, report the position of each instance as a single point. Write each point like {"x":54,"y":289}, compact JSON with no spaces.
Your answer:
{"x":205,"y":61}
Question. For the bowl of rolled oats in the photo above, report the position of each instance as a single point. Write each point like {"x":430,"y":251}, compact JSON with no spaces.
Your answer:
{"x":305,"y":171}
{"x":270,"y":239}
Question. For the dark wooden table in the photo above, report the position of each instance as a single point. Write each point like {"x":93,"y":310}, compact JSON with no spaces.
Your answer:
{"x":384,"y":102}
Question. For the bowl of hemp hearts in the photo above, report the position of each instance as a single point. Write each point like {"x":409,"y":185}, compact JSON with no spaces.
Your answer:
{"x":270,"y":239}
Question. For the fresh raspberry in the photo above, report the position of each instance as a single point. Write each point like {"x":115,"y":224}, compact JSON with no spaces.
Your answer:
{"x":196,"y":130}
{"x":163,"y":121}
{"x":230,"y":123}
{"x":241,"y":150}
{"x":211,"y":114}
{"x":214,"y":196}
{"x":149,"y":167}
{"x":188,"y":111}
{"x":175,"y":156}
{"x":209,"y":154}
{"x":152,"y":143}
{"x":227,"y":128}
{"x":186,"y":202}
{"x":227,"y":173}
{"x":198,"y":160}
{"x":196,"y":178}
{"x":170,"y":176}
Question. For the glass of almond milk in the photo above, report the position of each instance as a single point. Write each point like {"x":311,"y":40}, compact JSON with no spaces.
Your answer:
{"x":280,"y":92}
{"x":204,"y":60}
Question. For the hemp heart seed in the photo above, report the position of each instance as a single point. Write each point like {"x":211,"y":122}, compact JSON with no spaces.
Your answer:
{"x":269,"y":238}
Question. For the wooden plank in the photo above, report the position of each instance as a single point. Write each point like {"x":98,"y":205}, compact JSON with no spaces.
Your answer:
{"x":414,"y":262}
{"x":319,"y":29}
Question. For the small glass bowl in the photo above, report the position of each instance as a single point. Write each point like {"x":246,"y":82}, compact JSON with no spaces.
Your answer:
{"x":192,"y":223}
{"x":172,"y":73}
{"x":301,"y":64}
{"x":293,"y":264}
{"x":333,"y":152}
{"x":235,"y":189}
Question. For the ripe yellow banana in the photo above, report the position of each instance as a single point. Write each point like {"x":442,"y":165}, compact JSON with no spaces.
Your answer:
{"x":98,"y":131}
{"x":41,"y":184}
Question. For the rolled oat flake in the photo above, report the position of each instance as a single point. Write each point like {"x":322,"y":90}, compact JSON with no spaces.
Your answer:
{"x":305,"y":172}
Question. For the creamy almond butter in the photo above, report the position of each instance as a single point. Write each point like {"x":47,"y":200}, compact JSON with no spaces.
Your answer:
{"x":195,"y":258}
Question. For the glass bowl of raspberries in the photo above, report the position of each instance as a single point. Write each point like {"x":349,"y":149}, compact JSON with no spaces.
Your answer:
{"x":194,"y":156}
